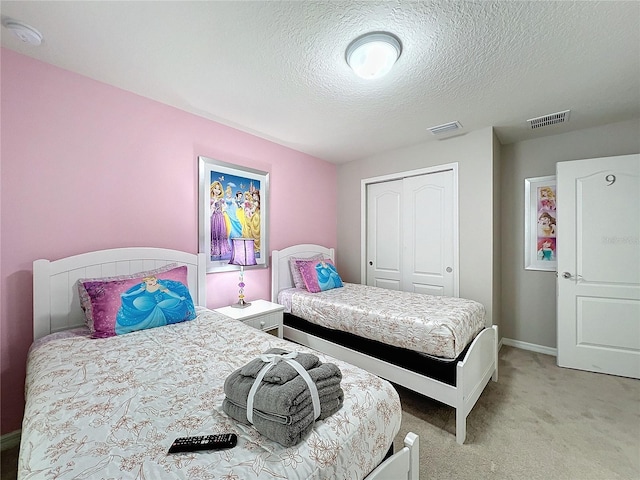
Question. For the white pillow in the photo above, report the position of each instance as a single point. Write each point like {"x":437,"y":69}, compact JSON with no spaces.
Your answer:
{"x":298,"y":281}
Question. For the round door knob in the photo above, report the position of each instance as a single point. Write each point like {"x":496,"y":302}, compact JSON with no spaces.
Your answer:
{"x":262,"y":324}
{"x":566,"y":275}
{"x":370,"y":263}
{"x":449,"y":269}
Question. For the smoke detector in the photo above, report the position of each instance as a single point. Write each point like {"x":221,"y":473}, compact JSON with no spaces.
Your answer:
{"x":24,"y":32}
{"x":551,"y":119}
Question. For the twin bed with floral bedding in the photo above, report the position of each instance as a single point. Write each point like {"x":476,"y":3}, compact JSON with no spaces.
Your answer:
{"x":441,"y":347}
{"x":107,"y":400}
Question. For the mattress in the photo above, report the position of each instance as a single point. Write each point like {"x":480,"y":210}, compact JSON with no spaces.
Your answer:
{"x":434,"y":325}
{"x":110,"y":408}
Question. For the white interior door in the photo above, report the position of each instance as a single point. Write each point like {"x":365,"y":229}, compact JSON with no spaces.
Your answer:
{"x":411,"y":239}
{"x":598,"y":241}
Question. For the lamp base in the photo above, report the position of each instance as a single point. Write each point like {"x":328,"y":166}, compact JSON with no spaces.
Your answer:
{"x":241,"y":304}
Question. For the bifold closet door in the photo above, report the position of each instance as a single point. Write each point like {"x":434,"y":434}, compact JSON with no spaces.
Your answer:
{"x":427,"y":265}
{"x":410,"y":234}
{"x":384,"y":234}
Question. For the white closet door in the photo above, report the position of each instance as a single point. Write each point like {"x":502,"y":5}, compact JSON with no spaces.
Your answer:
{"x":410,"y":234}
{"x":384,"y":234}
{"x":427,"y":265}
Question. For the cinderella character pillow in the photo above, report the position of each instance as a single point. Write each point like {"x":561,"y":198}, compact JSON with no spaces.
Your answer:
{"x":119,"y":305}
{"x":319,"y":275}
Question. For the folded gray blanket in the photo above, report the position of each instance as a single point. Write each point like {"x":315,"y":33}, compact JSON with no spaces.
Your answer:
{"x":282,"y":372}
{"x":285,"y":434}
{"x":285,"y":399}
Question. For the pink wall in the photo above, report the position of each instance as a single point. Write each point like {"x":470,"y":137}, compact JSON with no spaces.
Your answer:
{"x":86,"y":166}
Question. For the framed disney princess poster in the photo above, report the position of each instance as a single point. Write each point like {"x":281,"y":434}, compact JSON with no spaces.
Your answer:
{"x":540,"y":224}
{"x":233,"y":203}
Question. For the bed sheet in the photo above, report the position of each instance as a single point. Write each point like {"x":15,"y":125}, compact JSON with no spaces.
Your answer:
{"x":434,"y":325}
{"x":110,"y":408}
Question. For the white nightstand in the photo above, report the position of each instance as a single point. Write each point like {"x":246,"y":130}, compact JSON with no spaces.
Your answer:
{"x":263,"y":315}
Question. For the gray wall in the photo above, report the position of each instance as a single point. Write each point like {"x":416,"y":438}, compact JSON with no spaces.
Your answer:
{"x":474,"y":152}
{"x":491,"y":204}
{"x":497,"y":235}
{"x":529,"y":297}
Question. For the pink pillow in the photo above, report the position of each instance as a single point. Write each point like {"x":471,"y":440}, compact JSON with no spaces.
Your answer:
{"x":319,"y":275}
{"x":119,"y":305}
{"x":295,"y":270}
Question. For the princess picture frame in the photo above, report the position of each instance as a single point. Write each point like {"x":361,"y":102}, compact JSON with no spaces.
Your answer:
{"x":233,"y":203}
{"x":540,"y":224}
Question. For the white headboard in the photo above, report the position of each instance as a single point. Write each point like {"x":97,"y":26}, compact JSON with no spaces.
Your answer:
{"x":280,"y":272}
{"x":56,"y":305}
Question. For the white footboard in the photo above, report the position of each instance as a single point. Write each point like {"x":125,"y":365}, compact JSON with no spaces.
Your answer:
{"x":402,"y":465}
{"x":473,"y":374}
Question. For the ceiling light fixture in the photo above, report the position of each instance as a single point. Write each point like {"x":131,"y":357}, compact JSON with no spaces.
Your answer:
{"x":373,"y":54}
{"x":24,"y":32}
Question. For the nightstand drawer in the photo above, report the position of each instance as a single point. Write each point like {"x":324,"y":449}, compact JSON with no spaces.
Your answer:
{"x":260,"y":314}
{"x":265,"y":322}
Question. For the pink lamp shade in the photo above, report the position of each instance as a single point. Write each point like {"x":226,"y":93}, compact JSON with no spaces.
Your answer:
{"x":242,"y":252}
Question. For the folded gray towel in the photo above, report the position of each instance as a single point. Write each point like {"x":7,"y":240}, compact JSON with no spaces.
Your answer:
{"x":329,"y":404}
{"x":287,"y":398}
{"x":289,"y":434}
{"x":282,"y":372}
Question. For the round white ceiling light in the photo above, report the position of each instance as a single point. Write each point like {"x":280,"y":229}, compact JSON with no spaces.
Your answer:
{"x":372,"y":55}
{"x":24,"y":32}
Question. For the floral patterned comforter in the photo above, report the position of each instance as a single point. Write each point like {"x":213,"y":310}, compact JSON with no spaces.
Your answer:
{"x":110,"y":408}
{"x":434,"y":325}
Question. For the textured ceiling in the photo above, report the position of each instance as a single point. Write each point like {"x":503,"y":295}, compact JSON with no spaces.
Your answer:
{"x":276,"y":69}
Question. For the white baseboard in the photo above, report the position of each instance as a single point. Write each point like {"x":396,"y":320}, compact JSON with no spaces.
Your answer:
{"x":529,"y":346}
{"x":10,"y":440}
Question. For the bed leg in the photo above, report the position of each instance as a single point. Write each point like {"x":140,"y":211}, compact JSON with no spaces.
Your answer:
{"x":461,"y":426}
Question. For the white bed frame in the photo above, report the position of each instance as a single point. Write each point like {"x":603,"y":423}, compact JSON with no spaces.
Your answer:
{"x":479,"y":365}
{"x":56,"y":307}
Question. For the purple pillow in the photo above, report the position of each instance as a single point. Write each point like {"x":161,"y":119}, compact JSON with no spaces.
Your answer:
{"x":119,"y":305}
{"x":319,"y":275}
{"x":295,"y":270}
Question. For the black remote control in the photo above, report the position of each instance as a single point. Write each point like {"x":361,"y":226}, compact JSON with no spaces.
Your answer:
{"x":204,"y":442}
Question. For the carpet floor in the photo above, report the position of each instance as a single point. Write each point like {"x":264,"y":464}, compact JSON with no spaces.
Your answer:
{"x":539,"y":421}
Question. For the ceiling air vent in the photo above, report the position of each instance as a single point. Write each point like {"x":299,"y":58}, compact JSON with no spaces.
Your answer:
{"x":551,"y":119}
{"x":445,"y":128}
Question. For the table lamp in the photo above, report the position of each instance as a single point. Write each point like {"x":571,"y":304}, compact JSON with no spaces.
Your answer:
{"x":243,"y":254}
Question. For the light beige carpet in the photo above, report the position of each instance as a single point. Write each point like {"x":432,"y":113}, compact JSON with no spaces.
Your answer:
{"x":539,"y":421}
